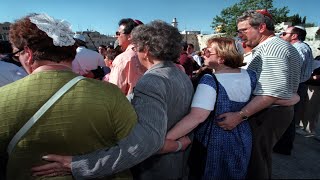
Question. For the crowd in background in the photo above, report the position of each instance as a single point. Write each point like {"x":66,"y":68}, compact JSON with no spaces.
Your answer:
{"x":151,"y":107}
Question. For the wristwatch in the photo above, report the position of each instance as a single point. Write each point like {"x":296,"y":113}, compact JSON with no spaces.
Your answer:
{"x":244,"y":117}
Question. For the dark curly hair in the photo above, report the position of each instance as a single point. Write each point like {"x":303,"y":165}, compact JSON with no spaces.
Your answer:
{"x":162,"y":40}
{"x":23,"y":33}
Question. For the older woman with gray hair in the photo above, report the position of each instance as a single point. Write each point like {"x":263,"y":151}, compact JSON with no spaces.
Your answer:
{"x":161,"y":98}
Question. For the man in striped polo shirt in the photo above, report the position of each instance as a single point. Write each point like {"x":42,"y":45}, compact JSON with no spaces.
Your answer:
{"x":278,"y":66}
{"x":295,"y":35}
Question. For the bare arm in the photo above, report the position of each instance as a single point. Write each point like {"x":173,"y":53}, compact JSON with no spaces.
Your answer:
{"x":288,"y":102}
{"x":258,"y":103}
{"x":188,"y":123}
{"x":173,"y":146}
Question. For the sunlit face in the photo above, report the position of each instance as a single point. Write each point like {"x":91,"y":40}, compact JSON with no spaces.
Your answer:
{"x":123,"y":39}
{"x":248,"y":34}
{"x":211,"y":57}
{"x":287,"y":35}
{"x":190,"y":49}
{"x":141,"y":56}
{"x":108,"y":62}
{"x":102,"y":51}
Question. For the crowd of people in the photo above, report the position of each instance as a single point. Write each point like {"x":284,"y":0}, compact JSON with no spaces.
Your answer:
{"x":151,"y":107}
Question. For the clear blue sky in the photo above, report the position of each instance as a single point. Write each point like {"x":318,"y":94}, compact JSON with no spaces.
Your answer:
{"x":103,"y":15}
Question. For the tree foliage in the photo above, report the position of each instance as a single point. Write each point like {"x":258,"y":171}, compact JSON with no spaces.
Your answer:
{"x":226,"y":22}
{"x":296,"y":19}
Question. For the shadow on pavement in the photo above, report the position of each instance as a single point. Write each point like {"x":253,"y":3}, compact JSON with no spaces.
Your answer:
{"x":303,"y":163}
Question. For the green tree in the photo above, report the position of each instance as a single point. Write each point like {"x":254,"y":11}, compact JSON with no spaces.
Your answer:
{"x":296,"y":19}
{"x":226,"y":22}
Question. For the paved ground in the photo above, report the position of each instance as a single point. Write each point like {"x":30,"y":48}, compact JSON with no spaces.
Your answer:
{"x":303,"y":163}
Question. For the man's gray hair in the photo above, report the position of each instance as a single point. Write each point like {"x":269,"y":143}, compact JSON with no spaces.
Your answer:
{"x":255,"y":19}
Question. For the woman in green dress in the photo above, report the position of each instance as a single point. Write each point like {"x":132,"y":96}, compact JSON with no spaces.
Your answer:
{"x":45,"y":47}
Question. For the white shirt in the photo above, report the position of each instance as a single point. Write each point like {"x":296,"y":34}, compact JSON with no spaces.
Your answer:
{"x":86,"y":60}
{"x":10,"y":72}
{"x":237,"y":86}
{"x":197,"y":59}
{"x":247,"y":58}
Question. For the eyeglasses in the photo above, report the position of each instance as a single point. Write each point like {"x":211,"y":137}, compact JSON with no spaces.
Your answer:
{"x":207,"y":53}
{"x":285,"y":33}
{"x":15,"y":55}
{"x":244,"y":30}
{"x":118,"y":33}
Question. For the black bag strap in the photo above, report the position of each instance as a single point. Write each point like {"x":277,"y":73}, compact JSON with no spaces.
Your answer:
{"x":209,"y":125}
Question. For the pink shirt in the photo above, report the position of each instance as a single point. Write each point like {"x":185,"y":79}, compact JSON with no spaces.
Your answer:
{"x":126,"y":70}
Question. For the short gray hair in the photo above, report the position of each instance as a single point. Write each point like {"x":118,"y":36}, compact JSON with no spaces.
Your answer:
{"x":162,"y":40}
{"x":255,"y":19}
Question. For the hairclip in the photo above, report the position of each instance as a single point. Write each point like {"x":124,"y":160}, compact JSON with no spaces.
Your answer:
{"x":58,"y":30}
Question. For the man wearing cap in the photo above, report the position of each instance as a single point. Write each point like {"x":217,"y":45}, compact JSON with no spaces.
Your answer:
{"x":295,"y":35}
{"x":86,"y":59}
{"x":277,"y":64}
{"x":126,"y":68}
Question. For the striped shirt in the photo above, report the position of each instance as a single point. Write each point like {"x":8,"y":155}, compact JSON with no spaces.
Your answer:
{"x":278,"y":66}
{"x":307,"y":60}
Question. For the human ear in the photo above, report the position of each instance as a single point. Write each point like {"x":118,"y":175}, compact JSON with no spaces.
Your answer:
{"x":29,"y":55}
{"x":262,"y":27}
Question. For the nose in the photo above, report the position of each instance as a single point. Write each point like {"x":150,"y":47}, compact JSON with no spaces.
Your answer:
{"x":240,"y":35}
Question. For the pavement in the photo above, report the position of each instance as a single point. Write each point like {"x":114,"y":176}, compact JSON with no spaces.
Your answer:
{"x":303,"y":163}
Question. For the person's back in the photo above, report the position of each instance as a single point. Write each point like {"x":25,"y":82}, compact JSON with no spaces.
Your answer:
{"x":307,"y":57}
{"x":68,"y":127}
{"x":86,"y":60}
{"x":168,"y":79}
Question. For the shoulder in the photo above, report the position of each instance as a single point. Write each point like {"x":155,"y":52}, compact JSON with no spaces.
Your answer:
{"x":208,"y":79}
{"x":99,"y":85}
{"x":126,"y":57}
{"x":151,"y":80}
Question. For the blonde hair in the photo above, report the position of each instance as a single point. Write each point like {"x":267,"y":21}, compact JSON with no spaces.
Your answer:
{"x":227,"y":49}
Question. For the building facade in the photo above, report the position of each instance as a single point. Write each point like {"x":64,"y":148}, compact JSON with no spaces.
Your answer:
{"x":94,"y":39}
{"x":4,"y":31}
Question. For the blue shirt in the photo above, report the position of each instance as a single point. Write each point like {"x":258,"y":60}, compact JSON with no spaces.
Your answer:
{"x":307,"y":60}
{"x":10,"y":73}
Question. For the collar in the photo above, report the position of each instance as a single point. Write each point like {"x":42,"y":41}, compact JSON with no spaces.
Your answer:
{"x":129,"y":48}
{"x":160,"y":65}
{"x":297,"y":42}
{"x":264,"y":42}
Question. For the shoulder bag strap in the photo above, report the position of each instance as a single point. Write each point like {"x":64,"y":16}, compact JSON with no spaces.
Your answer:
{"x":214,"y":110}
{"x":40,"y":112}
